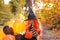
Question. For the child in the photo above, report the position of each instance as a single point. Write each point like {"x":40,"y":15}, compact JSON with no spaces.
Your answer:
{"x":33,"y":29}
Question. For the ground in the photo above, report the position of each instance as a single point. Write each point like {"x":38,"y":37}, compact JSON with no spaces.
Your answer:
{"x":48,"y":35}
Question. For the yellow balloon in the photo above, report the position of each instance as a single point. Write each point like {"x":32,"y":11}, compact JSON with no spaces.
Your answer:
{"x":1,"y":34}
{"x":19,"y":27}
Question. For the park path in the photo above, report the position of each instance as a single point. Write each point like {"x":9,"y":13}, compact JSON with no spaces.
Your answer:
{"x":48,"y":35}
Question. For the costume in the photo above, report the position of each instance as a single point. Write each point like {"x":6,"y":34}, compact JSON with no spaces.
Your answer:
{"x":32,"y":27}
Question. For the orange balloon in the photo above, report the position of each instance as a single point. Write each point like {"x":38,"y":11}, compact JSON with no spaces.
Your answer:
{"x":28,"y":35}
{"x":9,"y":37}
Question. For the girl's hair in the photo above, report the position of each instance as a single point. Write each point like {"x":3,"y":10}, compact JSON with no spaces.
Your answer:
{"x":35,"y":25}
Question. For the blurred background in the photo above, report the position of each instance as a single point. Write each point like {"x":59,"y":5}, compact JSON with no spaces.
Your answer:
{"x":48,"y":11}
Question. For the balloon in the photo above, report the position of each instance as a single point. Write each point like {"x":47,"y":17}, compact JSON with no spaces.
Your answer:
{"x":8,"y":30}
{"x":18,"y":26}
{"x":1,"y":34}
{"x":9,"y":37}
{"x":28,"y":35}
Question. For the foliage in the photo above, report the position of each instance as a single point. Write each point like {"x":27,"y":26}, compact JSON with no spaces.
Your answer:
{"x":50,"y":18}
{"x":11,"y":10}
